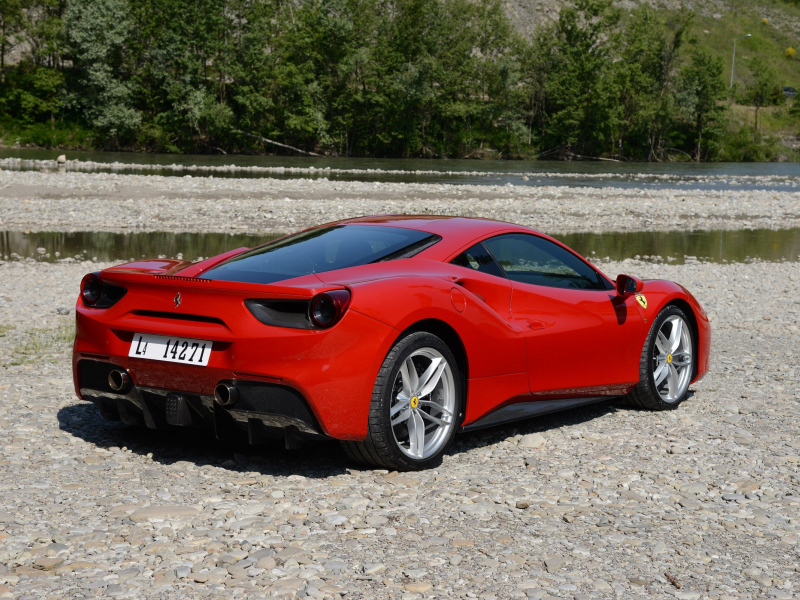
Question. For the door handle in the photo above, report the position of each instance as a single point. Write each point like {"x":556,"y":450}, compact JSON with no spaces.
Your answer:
{"x":536,"y":325}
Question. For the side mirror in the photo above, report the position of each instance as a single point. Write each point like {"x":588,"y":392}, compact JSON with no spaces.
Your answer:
{"x":627,"y":285}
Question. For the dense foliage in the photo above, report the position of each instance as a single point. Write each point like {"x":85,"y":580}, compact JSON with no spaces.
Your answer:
{"x":359,"y":78}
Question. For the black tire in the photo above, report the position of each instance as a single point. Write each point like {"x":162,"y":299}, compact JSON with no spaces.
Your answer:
{"x":380,"y":449}
{"x":645,"y":395}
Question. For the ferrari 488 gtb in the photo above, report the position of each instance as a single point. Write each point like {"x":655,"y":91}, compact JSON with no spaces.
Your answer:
{"x":388,"y":333}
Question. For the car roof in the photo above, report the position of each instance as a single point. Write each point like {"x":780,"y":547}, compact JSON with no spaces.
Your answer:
{"x":464,"y":228}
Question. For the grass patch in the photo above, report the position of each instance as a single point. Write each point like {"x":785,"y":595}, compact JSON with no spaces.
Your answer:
{"x":768,"y":41}
{"x":41,"y":135}
{"x":37,"y":345}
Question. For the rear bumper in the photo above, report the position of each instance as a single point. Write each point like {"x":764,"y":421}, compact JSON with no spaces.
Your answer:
{"x":313,"y":383}
{"x":262,"y":411}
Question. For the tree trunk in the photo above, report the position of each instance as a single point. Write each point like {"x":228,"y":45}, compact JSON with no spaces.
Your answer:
{"x":755,"y":126}
{"x":699,"y":139}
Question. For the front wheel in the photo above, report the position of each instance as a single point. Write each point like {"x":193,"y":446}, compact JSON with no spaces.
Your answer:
{"x":415,"y":406}
{"x":666,"y":364}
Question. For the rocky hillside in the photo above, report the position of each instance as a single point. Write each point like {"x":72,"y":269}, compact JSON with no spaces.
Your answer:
{"x":773,"y":24}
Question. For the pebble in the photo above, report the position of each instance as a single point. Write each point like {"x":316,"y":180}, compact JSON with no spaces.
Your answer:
{"x":612,"y":499}
{"x":122,"y":202}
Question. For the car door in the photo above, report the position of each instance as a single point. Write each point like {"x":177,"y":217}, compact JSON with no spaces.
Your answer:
{"x":581,"y":337}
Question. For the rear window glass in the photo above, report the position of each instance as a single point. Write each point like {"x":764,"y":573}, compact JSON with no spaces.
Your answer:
{"x":320,"y":250}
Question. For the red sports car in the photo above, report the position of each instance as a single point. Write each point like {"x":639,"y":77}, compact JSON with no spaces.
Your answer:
{"x":389,"y":333}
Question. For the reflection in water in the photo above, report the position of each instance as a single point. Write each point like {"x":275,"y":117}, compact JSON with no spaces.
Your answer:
{"x":713,"y":246}
{"x":105,"y":246}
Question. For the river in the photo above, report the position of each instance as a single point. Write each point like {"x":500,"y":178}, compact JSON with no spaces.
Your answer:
{"x":683,"y":175}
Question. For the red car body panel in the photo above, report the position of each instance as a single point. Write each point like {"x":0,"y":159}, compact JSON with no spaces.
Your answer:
{"x":520,"y":342}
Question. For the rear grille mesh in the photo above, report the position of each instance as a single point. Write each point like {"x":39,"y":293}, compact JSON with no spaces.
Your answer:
{"x":181,"y":278}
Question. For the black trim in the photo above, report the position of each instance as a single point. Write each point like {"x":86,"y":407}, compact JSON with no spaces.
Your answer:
{"x":526,"y":410}
{"x":411,"y":250}
{"x":281,"y":313}
{"x":157,"y":314}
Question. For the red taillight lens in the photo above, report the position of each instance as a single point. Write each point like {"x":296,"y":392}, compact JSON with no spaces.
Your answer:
{"x":91,"y":289}
{"x":328,"y":308}
{"x":97,"y":294}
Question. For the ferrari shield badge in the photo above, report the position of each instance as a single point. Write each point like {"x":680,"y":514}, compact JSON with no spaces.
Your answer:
{"x":641,"y":300}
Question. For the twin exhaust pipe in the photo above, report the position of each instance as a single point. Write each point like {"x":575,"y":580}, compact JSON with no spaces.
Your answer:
{"x":119,"y":381}
{"x":224,"y":394}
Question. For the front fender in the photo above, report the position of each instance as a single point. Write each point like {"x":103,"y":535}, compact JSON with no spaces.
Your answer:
{"x":661,"y":293}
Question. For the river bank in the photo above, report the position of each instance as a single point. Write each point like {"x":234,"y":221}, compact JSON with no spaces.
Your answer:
{"x":53,"y":201}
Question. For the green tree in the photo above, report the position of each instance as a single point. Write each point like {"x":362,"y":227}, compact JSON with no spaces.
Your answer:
{"x":98,"y":33}
{"x":41,"y":94}
{"x":700,"y":98}
{"x":12,"y":19}
{"x":763,"y":90}
{"x":575,"y":102}
{"x":645,"y":78}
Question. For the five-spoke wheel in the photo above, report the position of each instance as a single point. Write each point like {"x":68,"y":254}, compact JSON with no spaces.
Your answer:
{"x":415,"y":407}
{"x":422,"y":413}
{"x":667,"y":364}
{"x":672,"y":359}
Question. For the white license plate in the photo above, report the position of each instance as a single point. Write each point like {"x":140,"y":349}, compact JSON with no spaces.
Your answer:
{"x":171,"y":349}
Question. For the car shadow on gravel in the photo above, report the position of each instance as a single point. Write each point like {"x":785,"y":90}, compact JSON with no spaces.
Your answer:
{"x":540,"y":424}
{"x":317,"y":460}
{"x":200,"y":447}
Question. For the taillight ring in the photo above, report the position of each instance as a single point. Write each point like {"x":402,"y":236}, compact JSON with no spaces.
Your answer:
{"x":91,"y":289}
{"x":327,"y":308}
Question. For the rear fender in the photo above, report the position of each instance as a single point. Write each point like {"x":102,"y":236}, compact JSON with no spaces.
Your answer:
{"x":493,"y":345}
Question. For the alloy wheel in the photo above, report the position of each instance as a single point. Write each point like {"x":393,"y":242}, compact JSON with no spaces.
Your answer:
{"x":672,"y":359}
{"x":423,"y":406}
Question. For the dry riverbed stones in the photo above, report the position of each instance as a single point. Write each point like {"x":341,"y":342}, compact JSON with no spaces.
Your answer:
{"x":70,"y":201}
{"x":601,"y":502}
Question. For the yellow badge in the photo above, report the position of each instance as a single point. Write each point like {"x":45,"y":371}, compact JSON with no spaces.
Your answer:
{"x":641,"y":300}
{"x":669,"y":359}
{"x":414,"y":402}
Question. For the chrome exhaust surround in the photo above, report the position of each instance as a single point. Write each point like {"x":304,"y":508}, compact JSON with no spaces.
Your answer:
{"x":225,"y":394}
{"x":119,"y":381}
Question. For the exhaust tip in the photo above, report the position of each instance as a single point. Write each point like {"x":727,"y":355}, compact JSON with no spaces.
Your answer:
{"x":119,"y":381}
{"x":225,"y":394}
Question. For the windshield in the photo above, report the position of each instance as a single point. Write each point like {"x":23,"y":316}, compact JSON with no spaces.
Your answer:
{"x":321,"y":250}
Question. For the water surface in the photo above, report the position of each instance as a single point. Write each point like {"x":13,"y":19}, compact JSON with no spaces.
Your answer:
{"x":674,"y":247}
{"x":685,"y":175}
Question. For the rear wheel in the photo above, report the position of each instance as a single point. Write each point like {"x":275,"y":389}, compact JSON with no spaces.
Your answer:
{"x":667,"y":362}
{"x":415,"y":406}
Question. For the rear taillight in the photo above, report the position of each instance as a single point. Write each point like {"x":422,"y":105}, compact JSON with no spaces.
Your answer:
{"x":99,"y":294}
{"x":321,"y":312}
{"x":328,"y":308}
{"x":91,"y":289}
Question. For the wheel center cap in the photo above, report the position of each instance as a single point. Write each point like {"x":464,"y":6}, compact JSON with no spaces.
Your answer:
{"x":414,"y":402}
{"x":669,"y":359}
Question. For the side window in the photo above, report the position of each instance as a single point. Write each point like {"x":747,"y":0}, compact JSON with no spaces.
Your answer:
{"x":478,"y":258}
{"x":531,"y":259}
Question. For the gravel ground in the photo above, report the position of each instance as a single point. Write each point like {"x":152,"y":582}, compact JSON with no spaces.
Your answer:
{"x":70,"y":201}
{"x":602,"y":502}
